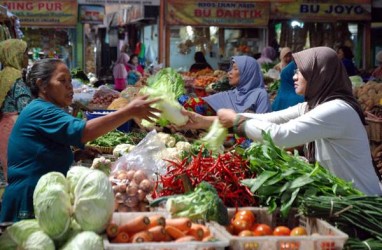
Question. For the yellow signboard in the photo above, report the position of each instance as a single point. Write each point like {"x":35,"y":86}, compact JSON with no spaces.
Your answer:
{"x":52,"y":13}
{"x":322,"y":11}
{"x":217,"y":13}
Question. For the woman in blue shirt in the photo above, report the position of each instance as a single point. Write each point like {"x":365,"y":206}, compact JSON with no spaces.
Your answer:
{"x":41,"y":138}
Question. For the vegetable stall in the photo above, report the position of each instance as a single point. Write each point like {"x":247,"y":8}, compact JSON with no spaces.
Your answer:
{"x":148,"y":186}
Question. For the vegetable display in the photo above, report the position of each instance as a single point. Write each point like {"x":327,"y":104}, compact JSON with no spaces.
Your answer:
{"x":282,"y":179}
{"x":224,"y":173}
{"x":203,"y":203}
{"x":114,"y":138}
{"x":358,"y":216}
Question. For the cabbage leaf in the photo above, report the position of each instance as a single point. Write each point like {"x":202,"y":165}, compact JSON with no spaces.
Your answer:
{"x":84,"y":240}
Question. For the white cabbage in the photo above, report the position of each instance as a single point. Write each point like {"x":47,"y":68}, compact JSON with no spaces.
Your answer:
{"x":94,"y":201}
{"x":38,"y":241}
{"x":73,"y":176}
{"x":52,"y":209}
{"x":18,"y":233}
{"x":84,"y":240}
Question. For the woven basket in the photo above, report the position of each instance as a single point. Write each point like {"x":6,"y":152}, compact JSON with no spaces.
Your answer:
{"x":104,"y":150}
{"x":374,"y":127}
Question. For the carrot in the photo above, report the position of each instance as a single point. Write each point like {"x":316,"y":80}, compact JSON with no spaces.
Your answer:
{"x":136,"y":225}
{"x":209,"y":238}
{"x":206,"y":230}
{"x":158,"y":232}
{"x":157,"y":220}
{"x":112,"y":230}
{"x":143,"y":236}
{"x":197,"y":231}
{"x":183,"y":224}
{"x":174,"y":232}
{"x":185,"y":238}
{"x":121,"y":237}
{"x":167,"y":237}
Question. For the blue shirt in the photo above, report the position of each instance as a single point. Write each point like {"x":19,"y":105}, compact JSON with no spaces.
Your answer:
{"x":39,"y":143}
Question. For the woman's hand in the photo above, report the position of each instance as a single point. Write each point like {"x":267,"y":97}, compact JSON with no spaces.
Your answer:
{"x":140,"y":108}
{"x":226,"y":117}
{"x":195,"y":121}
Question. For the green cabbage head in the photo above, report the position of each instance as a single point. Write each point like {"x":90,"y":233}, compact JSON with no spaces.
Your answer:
{"x":51,"y":204}
{"x":37,"y":241}
{"x":73,"y":175}
{"x":94,"y":201}
{"x":84,"y":240}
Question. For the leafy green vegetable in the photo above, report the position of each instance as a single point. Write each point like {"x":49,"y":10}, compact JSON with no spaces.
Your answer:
{"x":38,"y":240}
{"x":51,"y":203}
{"x":115,"y":137}
{"x":93,"y":201}
{"x":215,"y":137}
{"x":84,"y":240}
{"x":282,"y":179}
{"x":168,"y":85}
{"x":203,"y":203}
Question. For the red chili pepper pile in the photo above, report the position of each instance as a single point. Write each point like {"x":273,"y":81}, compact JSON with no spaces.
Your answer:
{"x":224,"y":172}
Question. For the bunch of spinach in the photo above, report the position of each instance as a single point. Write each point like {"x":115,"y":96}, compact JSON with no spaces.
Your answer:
{"x":283,"y":178}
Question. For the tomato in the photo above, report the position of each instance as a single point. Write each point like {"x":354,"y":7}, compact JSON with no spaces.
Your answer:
{"x":298,"y":231}
{"x":240,"y":225}
{"x":246,"y":233}
{"x":328,"y":245}
{"x":245,"y":215}
{"x":281,"y":231}
{"x":262,"y":230}
{"x":292,"y":245}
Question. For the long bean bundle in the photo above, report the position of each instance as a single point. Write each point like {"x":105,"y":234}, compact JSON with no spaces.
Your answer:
{"x":363,"y":213}
{"x":356,"y":244}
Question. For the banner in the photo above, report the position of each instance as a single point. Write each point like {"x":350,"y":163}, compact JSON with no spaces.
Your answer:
{"x":91,"y":14}
{"x":58,"y":13}
{"x":108,"y":2}
{"x":217,"y":13}
{"x":341,"y":10}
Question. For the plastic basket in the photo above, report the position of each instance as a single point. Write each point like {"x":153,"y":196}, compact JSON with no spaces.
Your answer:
{"x":126,"y":127}
{"x":374,"y":128}
{"x":329,"y":238}
{"x":120,"y":218}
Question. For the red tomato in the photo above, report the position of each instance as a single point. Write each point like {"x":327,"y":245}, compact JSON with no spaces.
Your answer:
{"x":246,"y":233}
{"x":262,"y":230}
{"x":245,"y":215}
{"x":240,"y":225}
{"x":328,"y":245}
{"x":281,"y":231}
{"x":298,"y":231}
{"x":292,"y":245}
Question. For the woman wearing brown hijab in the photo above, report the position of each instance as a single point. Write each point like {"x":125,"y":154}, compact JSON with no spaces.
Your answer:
{"x":330,"y":120}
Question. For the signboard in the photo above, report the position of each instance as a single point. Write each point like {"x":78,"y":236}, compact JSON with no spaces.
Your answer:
{"x":357,"y":10}
{"x":91,"y":14}
{"x":107,"y":2}
{"x":217,"y":13}
{"x":53,"y":13}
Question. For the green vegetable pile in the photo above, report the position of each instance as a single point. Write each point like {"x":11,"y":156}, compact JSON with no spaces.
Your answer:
{"x":69,"y":212}
{"x":116,"y":137}
{"x":78,"y":73}
{"x":282,"y":179}
{"x":358,"y":216}
{"x":203,"y":203}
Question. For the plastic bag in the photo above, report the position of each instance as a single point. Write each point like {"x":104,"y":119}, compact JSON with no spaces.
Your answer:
{"x":133,"y":174}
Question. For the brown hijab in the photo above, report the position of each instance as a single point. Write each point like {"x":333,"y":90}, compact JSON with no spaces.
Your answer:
{"x":327,"y":80}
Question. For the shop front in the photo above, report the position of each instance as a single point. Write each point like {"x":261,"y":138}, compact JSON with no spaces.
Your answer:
{"x":220,"y":29}
{"x":303,"y":24}
{"x":48,"y":27}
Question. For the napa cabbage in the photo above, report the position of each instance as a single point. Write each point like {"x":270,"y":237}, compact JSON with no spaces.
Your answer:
{"x":215,"y":137}
{"x":168,"y":85}
{"x":93,"y":201}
